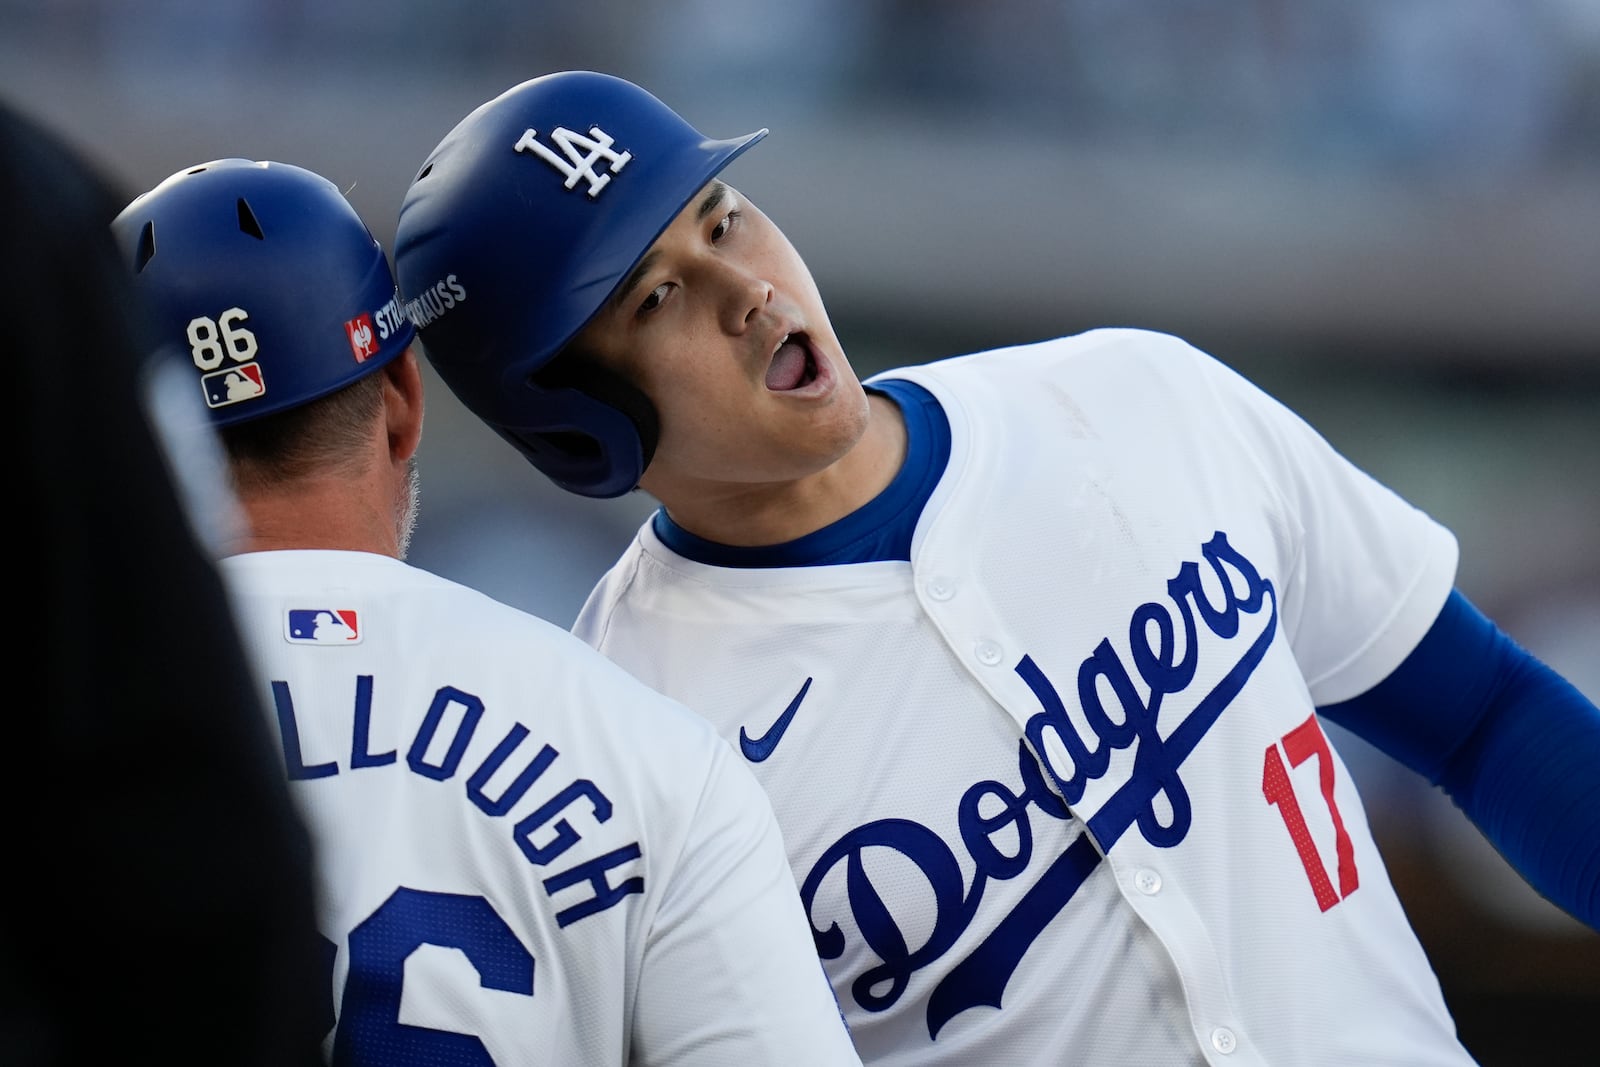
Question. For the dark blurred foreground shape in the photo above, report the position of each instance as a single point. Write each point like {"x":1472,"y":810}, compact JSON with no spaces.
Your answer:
{"x":160,"y":883}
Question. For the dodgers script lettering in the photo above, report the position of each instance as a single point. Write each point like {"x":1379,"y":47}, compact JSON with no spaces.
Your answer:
{"x":1118,"y":716}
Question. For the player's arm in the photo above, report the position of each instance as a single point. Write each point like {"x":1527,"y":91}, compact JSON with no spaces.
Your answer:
{"x":1513,"y":744}
{"x":730,"y":974}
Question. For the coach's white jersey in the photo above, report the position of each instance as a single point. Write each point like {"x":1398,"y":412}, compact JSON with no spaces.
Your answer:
{"x":524,"y":856}
{"x":1143,"y":571}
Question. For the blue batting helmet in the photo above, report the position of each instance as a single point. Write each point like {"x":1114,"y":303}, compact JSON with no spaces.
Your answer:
{"x":514,"y":233}
{"x":268,"y":277}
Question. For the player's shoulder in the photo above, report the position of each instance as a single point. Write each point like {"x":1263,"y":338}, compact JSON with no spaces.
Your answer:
{"x":502,"y":649}
{"x":594,"y":620}
{"x":1108,"y":346}
{"x":424,"y":610}
{"x":567,"y":665}
{"x":1113,"y":360}
{"x":483,"y":623}
{"x":1115,"y":347}
{"x":377,"y":579}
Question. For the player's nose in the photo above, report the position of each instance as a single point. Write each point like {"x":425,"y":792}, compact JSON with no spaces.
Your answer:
{"x":747,"y":294}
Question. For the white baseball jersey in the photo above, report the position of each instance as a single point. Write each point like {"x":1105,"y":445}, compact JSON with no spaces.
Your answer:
{"x":524,"y":856}
{"x":1134,"y":582}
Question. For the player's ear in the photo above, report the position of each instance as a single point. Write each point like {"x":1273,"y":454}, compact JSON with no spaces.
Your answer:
{"x":402,"y":405}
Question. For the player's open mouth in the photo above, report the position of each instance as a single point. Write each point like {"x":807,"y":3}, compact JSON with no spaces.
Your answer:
{"x":793,"y":365}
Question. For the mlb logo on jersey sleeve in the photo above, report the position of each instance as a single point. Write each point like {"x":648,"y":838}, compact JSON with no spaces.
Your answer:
{"x":230,"y":386}
{"x":363,"y":338}
{"x":322,"y":626}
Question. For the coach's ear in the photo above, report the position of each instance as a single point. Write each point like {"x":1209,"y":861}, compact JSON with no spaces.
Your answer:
{"x":402,"y":405}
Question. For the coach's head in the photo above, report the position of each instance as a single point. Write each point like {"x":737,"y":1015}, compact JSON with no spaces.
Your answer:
{"x":286,"y":311}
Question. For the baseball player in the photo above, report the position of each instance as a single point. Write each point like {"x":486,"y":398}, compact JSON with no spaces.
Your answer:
{"x":524,"y":855}
{"x":1030,"y":648}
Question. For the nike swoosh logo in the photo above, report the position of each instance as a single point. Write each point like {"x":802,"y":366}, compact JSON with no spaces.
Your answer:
{"x":756,"y":749}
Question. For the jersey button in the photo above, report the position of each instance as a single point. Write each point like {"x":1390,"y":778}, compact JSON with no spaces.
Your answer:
{"x":941,"y":588}
{"x":988,"y":653}
{"x":1147,"y":881}
{"x":1223,"y":1041}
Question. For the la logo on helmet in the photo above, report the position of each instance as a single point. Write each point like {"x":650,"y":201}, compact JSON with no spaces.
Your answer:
{"x":581,"y":154}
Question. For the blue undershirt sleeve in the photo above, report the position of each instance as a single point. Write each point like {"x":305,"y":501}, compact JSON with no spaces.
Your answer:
{"x":1510,"y":741}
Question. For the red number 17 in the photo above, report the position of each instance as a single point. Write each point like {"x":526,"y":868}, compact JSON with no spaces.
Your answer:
{"x":1300,"y":744}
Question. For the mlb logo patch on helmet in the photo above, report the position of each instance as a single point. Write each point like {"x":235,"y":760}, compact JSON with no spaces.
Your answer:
{"x":321,"y":626}
{"x":230,"y":386}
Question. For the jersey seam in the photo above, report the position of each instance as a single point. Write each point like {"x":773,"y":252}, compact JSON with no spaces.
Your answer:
{"x":1279,"y":498}
{"x":1402,"y":604}
{"x":614,"y":598}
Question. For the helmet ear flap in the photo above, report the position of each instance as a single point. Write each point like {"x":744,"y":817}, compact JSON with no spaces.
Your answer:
{"x":593,"y":436}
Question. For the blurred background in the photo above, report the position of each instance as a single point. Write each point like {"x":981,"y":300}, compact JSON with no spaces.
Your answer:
{"x":1387,"y":212}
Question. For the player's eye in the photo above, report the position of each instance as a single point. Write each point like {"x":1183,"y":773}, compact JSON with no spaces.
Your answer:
{"x":725,"y":225}
{"x":654,"y":298}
